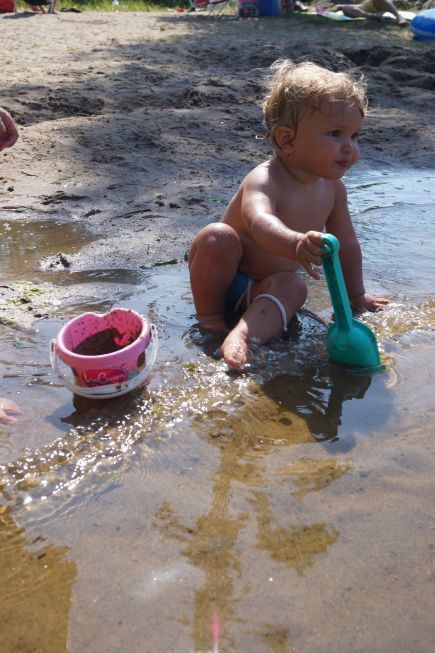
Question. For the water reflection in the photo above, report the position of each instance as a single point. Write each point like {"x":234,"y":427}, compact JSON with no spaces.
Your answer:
{"x":300,"y":407}
{"x":263,"y":422}
{"x":319,"y":403}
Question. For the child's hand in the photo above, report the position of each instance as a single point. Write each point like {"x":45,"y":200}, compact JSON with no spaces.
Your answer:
{"x":309,"y":250}
{"x":369,"y":302}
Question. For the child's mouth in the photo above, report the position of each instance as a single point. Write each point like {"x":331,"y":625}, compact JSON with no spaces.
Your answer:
{"x":343,"y":164}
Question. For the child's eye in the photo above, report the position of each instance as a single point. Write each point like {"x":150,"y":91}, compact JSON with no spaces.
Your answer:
{"x":336,"y":133}
{"x":355,"y":136}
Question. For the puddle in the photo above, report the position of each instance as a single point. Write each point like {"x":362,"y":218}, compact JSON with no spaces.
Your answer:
{"x":24,"y":243}
{"x":215,"y":512}
{"x":394,"y":231}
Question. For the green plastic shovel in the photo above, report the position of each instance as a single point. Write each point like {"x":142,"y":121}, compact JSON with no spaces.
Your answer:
{"x":349,"y":341}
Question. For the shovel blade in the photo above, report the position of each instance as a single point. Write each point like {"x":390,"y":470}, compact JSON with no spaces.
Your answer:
{"x":356,"y":345}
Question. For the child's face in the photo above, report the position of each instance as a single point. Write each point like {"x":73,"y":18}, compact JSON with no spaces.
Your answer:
{"x":326,"y":142}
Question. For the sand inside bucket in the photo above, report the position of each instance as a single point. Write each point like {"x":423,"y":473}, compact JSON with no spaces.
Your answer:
{"x":106,"y":341}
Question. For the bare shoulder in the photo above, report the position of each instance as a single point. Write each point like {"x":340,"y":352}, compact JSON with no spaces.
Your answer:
{"x":340,"y":192}
{"x":262,"y":175}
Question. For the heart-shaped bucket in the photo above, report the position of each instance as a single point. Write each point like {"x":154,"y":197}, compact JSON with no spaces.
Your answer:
{"x":104,"y":355}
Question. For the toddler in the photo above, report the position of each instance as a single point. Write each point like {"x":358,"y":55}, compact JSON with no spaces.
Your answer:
{"x":249,"y":263}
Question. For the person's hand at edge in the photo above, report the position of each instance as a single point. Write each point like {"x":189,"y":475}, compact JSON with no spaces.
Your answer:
{"x":8,"y":130}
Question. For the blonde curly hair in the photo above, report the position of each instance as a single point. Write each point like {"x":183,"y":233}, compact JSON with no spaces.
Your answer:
{"x":298,"y":90}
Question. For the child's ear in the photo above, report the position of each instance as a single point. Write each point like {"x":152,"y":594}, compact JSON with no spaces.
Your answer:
{"x":284,"y":138}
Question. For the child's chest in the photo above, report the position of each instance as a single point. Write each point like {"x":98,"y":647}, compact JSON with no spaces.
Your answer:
{"x":306,"y":210}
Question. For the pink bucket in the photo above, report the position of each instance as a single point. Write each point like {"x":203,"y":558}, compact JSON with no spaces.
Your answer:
{"x":108,"y":354}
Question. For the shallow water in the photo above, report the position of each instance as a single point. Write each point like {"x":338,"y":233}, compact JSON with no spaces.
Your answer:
{"x":24,"y":243}
{"x":288,"y":509}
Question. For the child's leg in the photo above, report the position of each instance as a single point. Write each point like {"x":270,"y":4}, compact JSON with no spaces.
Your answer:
{"x":352,"y":11}
{"x":385,"y":5}
{"x":213,"y":262}
{"x":263,"y":320}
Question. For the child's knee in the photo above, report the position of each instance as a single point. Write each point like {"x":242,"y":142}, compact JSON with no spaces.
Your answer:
{"x":217,"y":240}
{"x":301,"y":290}
{"x":293,"y":286}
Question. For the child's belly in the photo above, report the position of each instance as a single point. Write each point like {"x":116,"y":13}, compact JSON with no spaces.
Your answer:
{"x":259,"y":264}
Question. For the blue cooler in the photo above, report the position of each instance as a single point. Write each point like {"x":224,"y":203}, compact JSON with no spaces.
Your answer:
{"x":269,"y":7}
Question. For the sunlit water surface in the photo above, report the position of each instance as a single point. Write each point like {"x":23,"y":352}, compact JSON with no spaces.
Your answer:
{"x":286,"y":509}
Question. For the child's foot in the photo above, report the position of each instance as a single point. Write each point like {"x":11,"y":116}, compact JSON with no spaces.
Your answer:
{"x":215,"y":323}
{"x":235,"y":350}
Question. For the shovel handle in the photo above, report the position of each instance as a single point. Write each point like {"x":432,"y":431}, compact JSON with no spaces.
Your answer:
{"x":335,"y":281}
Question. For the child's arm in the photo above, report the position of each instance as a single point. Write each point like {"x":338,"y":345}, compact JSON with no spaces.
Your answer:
{"x":340,"y":224}
{"x":8,"y":130}
{"x":270,"y":233}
